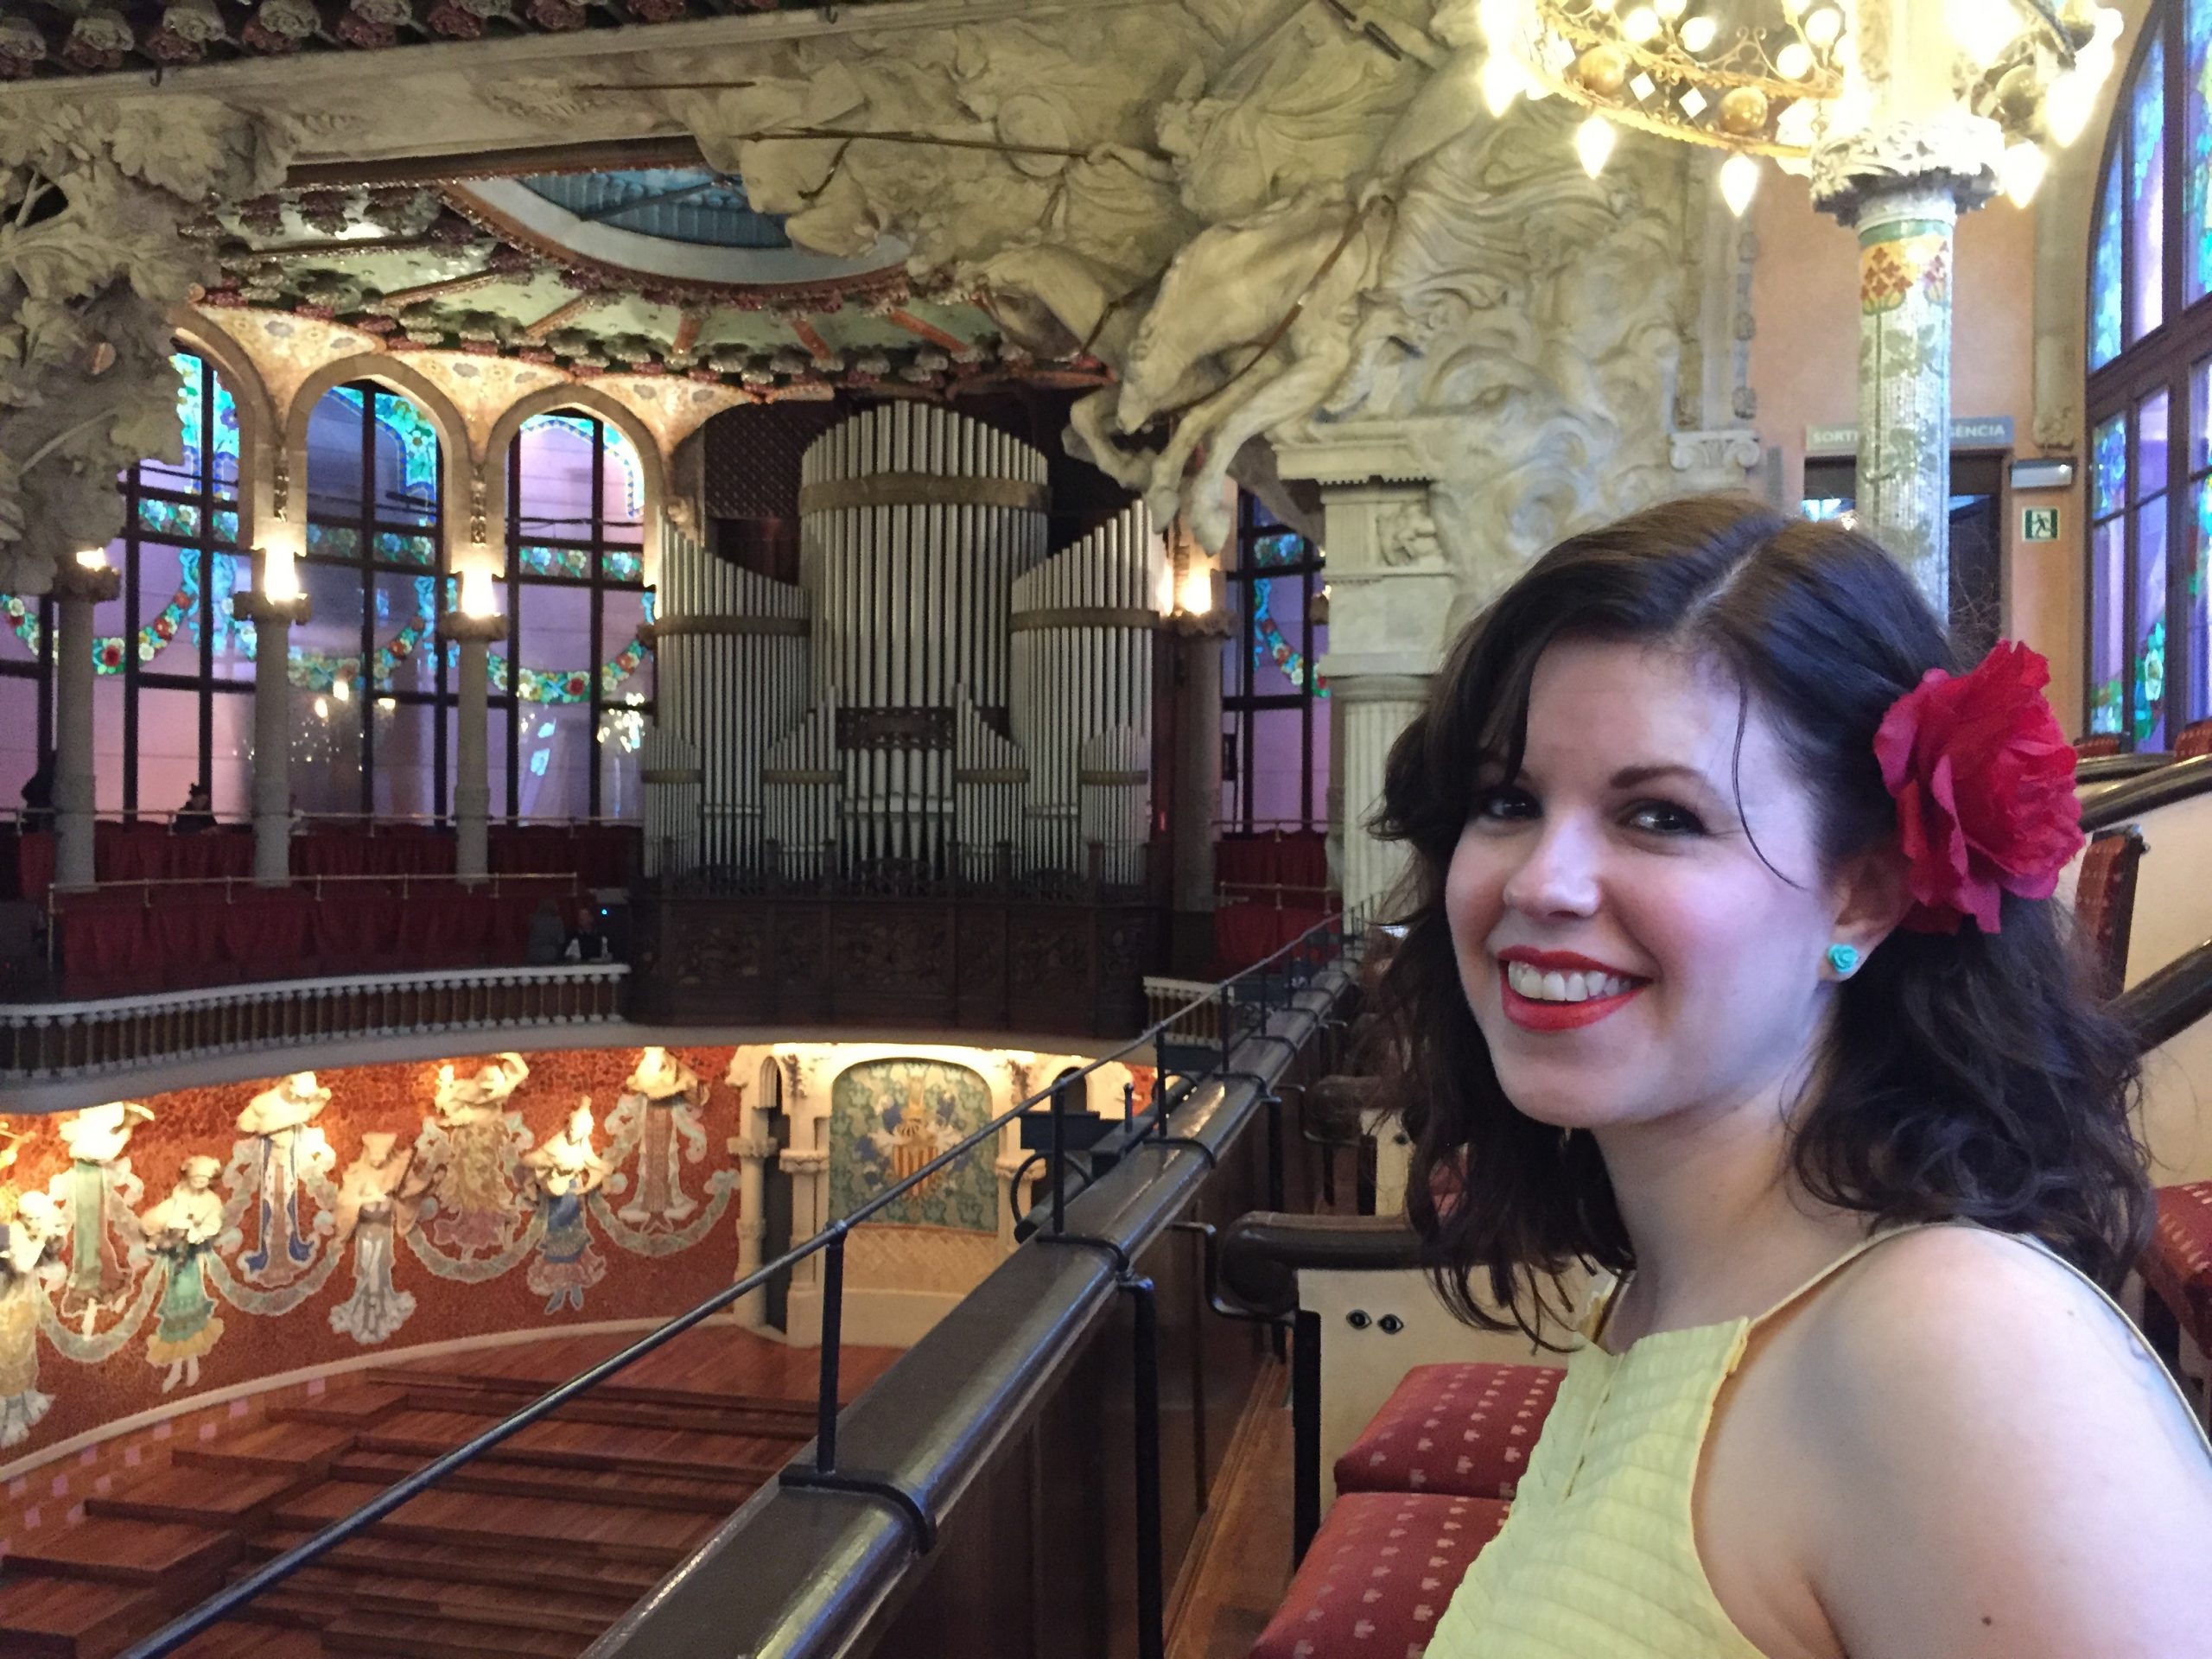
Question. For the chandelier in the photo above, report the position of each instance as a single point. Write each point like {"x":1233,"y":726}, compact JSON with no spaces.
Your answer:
{"x":1776,"y":78}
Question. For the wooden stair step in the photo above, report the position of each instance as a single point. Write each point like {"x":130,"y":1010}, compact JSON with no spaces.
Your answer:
{"x":236,"y":1639}
{"x":197,"y":1497}
{"x":799,"y":1413}
{"x":355,"y":1587}
{"x":117,"y":1550}
{"x":706,"y":1494}
{"x":556,"y":1445}
{"x":47,"y":1617}
{"x":593,"y":1531}
{"x":542,"y":1570}
{"x":270,"y":1448}
{"x":346,"y":1407}
{"x":391,"y":1636}
{"x":697,"y":1418}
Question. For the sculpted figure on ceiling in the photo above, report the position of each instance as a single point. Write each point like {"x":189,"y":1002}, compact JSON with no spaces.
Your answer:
{"x":1267,"y":225}
{"x":91,"y":264}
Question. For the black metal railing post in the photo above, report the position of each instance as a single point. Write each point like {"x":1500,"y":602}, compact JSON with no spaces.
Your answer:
{"x":1152,"y":1598}
{"x":833,"y":1330}
{"x":1304,"y":1432}
{"x":1059,"y":1156}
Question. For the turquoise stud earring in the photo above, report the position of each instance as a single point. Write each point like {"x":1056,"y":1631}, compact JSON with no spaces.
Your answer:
{"x":1844,"y":958}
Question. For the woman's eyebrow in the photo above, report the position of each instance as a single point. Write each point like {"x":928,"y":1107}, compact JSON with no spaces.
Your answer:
{"x":1632,"y":777}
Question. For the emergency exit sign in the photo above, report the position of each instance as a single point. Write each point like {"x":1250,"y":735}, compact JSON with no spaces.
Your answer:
{"x":2039,"y":524}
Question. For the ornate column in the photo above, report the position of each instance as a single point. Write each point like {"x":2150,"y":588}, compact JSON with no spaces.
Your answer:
{"x":273,"y":605}
{"x":1195,"y":640}
{"x":809,"y":1168}
{"x":1392,"y":595}
{"x":1901,"y":186}
{"x":752,"y":1149}
{"x":78,"y":586}
{"x":472,"y":789}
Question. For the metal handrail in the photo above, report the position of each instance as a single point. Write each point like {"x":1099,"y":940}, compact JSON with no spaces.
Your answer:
{"x":829,"y":1240}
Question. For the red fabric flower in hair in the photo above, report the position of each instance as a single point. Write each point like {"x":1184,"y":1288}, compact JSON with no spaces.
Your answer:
{"x":1984,"y":781}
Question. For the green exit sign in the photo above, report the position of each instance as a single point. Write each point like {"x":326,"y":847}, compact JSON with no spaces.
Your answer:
{"x":2039,"y":524}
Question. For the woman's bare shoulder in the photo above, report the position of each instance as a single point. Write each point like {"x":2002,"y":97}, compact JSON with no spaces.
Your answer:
{"x":2011,"y":1471}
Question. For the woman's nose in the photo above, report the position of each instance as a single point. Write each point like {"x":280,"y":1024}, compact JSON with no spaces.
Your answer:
{"x":1559,"y":875}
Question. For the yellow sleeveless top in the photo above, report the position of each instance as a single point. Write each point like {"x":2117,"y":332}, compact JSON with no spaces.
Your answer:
{"x":1598,"y":1557}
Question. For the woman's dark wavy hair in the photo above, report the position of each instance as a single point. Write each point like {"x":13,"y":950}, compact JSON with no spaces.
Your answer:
{"x":1966,"y":1075}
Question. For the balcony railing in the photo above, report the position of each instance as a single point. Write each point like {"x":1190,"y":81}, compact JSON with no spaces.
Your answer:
{"x":42,"y":1042}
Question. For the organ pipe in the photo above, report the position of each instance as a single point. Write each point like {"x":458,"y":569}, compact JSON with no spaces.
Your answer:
{"x":933,"y":690}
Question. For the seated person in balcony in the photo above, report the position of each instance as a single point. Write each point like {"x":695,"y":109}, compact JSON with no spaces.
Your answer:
{"x":1732,"y":969}
{"x":38,"y":797}
{"x":196,"y":815}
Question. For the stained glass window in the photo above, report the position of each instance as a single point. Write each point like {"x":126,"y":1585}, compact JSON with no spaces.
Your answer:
{"x":163,"y":653}
{"x":2109,"y":585}
{"x":2149,"y":483}
{"x":2147,"y":195}
{"x":2104,"y":284}
{"x":368,"y":734}
{"x":1276,"y":726}
{"x":2196,"y":170}
{"x":576,"y":520}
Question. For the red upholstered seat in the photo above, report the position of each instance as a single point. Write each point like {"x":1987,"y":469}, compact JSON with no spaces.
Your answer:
{"x":1462,"y":1430}
{"x":2194,"y":740}
{"x":2178,"y":1267}
{"x":2096,"y":744}
{"x":1379,"y":1575}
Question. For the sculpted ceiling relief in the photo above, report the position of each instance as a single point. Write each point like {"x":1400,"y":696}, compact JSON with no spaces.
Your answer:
{"x":90,"y":266}
{"x":1270,"y":225}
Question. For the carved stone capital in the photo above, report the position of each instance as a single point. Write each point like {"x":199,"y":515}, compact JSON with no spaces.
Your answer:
{"x":1953,"y":153}
{"x":1705,"y":452}
{"x":96,"y":582}
{"x":254,"y":606}
{"x":803,"y":1161}
{"x":752,"y":1146}
{"x":458,"y":625}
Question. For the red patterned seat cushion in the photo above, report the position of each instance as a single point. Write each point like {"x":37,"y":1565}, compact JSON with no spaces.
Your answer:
{"x":2178,"y":1265}
{"x":1379,"y":1575}
{"x":1465,"y":1429}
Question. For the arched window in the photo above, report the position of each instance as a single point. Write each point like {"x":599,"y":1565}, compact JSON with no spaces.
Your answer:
{"x":1275,"y":751}
{"x":173,"y":672}
{"x":2150,"y":390}
{"x":576,"y":601}
{"x":370,"y":724}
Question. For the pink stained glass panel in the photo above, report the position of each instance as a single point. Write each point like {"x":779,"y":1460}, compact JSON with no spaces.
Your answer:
{"x":553,"y":463}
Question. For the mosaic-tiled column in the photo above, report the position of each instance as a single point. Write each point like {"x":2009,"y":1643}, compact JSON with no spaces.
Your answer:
{"x":1902,"y":187}
{"x":77,"y":588}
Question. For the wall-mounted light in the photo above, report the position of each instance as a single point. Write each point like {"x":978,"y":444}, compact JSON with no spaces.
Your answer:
{"x":480,"y":595}
{"x":280,"y":570}
{"x":92,"y":558}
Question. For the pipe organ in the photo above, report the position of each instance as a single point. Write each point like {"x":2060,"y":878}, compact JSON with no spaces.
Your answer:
{"x":935,"y":699}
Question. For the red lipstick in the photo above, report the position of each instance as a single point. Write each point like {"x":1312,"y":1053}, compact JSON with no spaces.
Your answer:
{"x":1530,"y":1015}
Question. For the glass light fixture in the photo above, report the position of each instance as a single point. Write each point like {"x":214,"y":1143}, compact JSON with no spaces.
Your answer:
{"x":1593,"y":144}
{"x":1640,"y":25}
{"x":92,"y":558}
{"x":2022,"y":171}
{"x":1698,"y":33}
{"x":1500,"y":78}
{"x":1824,"y":26}
{"x":1739,"y":183}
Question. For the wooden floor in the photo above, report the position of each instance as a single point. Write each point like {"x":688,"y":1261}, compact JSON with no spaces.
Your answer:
{"x":531,"y":1550}
{"x":1241,"y":1564}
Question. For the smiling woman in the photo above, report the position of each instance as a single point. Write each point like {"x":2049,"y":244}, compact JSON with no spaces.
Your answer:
{"x":1732,"y":966}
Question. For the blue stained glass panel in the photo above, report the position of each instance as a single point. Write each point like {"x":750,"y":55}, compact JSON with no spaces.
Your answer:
{"x":2197,"y":38}
{"x":2107,"y":594}
{"x":2146,"y":194}
{"x":2109,"y":479}
{"x":2150,"y":724}
{"x":2104,"y":276}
